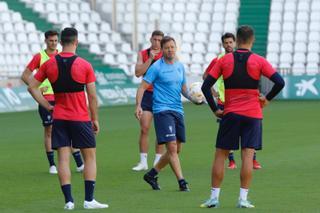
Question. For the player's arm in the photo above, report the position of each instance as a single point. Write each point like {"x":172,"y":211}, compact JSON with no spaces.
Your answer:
{"x":185,"y":92}
{"x":276,"y":88}
{"x":148,"y":79}
{"x":26,"y":75}
{"x":184,"y":89}
{"x":143,"y":86}
{"x":278,"y":81}
{"x":141,"y":68}
{"x":93,"y":105}
{"x":205,"y":74}
{"x":36,"y":93}
{"x":206,"y":90}
{"x":210,"y":66}
{"x":33,"y":64}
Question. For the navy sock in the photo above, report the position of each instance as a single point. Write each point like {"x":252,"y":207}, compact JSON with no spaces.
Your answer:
{"x":77,"y":158}
{"x":50,"y":156}
{"x":66,"y":189}
{"x":89,"y":189}
{"x":230,"y":156}
{"x":153,"y":172}
{"x":254,"y":156}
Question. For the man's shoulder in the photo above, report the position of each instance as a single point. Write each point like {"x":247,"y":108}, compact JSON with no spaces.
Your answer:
{"x":179,"y":64}
{"x":50,"y":61}
{"x":224,"y":58}
{"x":157,"y":63}
{"x":144,"y":51}
{"x":227,"y":55}
{"x":83,"y":62}
{"x":220,"y":55}
{"x":258,"y":58}
{"x":36,"y":56}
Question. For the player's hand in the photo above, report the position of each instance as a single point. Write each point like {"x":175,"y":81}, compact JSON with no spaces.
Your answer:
{"x":152,"y":55}
{"x":263,"y":101}
{"x":219,"y":113}
{"x":44,"y":89}
{"x":50,"y":108}
{"x":95,"y":126}
{"x":138,"y":112}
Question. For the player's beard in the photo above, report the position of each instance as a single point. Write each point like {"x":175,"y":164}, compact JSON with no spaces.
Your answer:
{"x":170,"y":56}
{"x":229,"y":49}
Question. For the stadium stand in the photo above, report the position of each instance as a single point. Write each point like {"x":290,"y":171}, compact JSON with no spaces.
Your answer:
{"x":294,"y":35}
{"x":19,"y":39}
{"x":191,"y":23}
{"x":197,"y":25}
{"x":288,"y":36}
{"x":94,"y":33}
{"x":37,"y":20}
{"x":256,"y":14}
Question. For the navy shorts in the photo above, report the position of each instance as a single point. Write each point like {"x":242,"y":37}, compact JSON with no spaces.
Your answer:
{"x":146,"y":103}
{"x":45,"y":115}
{"x":76,"y":134}
{"x":169,"y":126}
{"x":235,"y":129}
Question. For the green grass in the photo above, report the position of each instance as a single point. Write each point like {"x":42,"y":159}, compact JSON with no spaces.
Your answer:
{"x":288,"y":182}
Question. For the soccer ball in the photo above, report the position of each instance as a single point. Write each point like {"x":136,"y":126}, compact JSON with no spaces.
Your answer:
{"x":195,"y":92}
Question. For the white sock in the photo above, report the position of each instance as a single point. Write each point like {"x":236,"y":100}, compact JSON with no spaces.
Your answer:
{"x":156,"y":159}
{"x":215,"y":192}
{"x":144,"y":158}
{"x":243,"y":193}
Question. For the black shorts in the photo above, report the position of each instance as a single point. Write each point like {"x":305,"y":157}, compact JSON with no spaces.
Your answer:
{"x":76,"y":134}
{"x":146,"y":103}
{"x":235,"y":129}
{"x":45,"y":115}
{"x":221,"y":107}
{"x":169,"y":126}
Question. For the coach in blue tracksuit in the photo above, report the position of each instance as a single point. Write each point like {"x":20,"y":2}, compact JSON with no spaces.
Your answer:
{"x":168,"y":79}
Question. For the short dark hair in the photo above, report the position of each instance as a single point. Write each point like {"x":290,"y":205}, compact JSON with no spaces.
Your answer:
{"x":50,"y":33}
{"x":68,"y":35}
{"x":157,"y":33}
{"x":166,"y":39}
{"x":228,"y":35}
{"x":245,"y":34}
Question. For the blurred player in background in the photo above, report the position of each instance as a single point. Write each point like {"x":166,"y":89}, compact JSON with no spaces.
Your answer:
{"x":70,"y":76}
{"x":242,"y":115}
{"x":168,"y":79}
{"x":229,"y":43}
{"x":51,"y":41}
{"x":145,"y":59}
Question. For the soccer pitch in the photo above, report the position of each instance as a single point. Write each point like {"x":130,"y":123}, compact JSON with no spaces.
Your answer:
{"x":288,"y":181}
